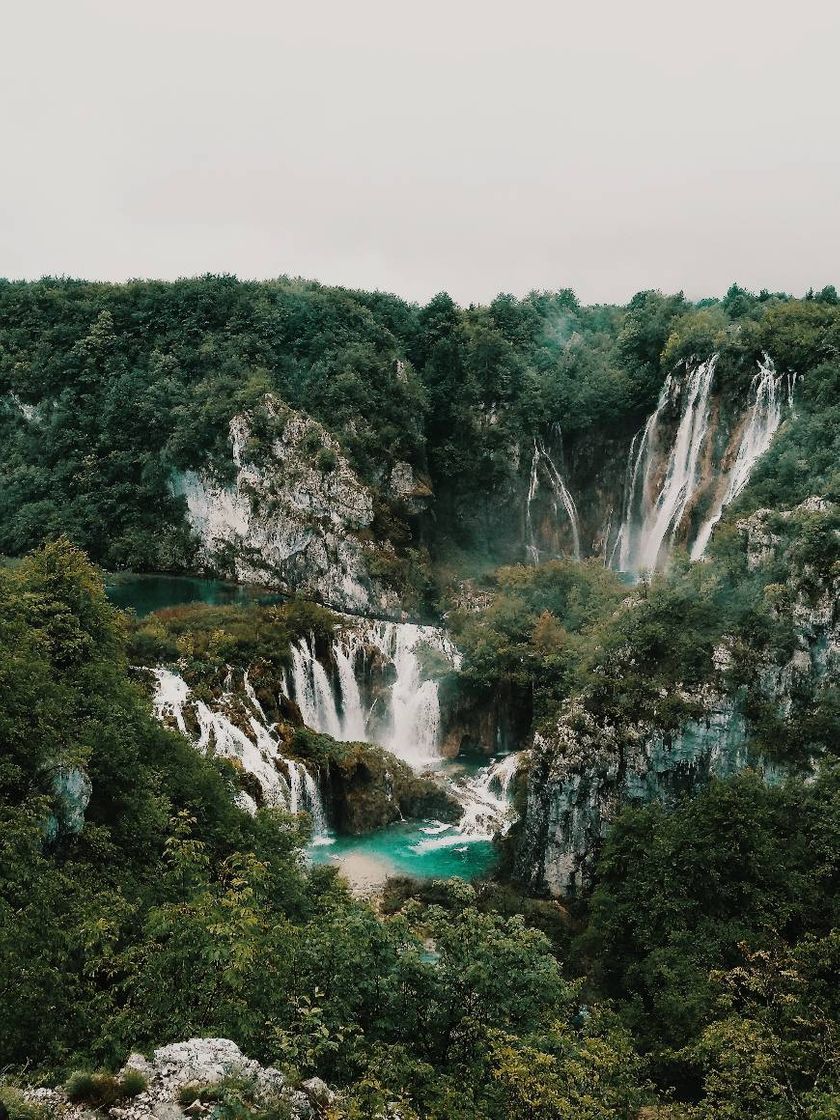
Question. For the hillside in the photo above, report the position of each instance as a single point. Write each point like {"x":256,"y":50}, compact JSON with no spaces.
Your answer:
{"x":542,"y":653}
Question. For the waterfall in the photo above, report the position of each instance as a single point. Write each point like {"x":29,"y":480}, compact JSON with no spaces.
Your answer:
{"x":764,"y":414}
{"x":409,"y":726}
{"x":304,"y":796}
{"x":412,"y":730}
{"x":487,"y":809}
{"x":313,"y":691}
{"x":560,"y":496}
{"x":354,"y":720}
{"x":486,"y":799}
{"x":171,"y":693}
{"x":260,"y":756}
{"x":648,"y":521}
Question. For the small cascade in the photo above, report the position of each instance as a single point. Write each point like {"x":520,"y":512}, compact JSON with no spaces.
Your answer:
{"x":487,"y":809}
{"x":654,"y":509}
{"x":171,"y":693}
{"x":486,"y":799}
{"x":305,"y":796}
{"x":560,"y":497}
{"x":258,"y":755}
{"x":764,"y":414}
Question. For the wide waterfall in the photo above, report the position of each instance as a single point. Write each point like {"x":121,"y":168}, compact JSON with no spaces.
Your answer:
{"x":763,"y":417}
{"x":560,"y":497}
{"x":667,"y":474}
{"x":403,"y":715}
{"x":656,"y":502}
{"x":374,"y":682}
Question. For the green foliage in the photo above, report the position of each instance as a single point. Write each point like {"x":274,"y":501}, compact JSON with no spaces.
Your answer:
{"x":211,"y":639}
{"x":679,"y":892}
{"x":772,"y":1050}
{"x":103,"y":1089}
{"x":235,"y":1097}
{"x":19,"y":1107}
{"x":108,"y":389}
{"x":532,"y":635}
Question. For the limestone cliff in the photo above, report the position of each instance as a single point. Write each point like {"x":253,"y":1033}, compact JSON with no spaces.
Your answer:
{"x":584,"y":769}
{"x":295,"y":515}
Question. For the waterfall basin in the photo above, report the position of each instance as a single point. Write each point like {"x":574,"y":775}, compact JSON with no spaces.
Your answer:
{"x":406,"y":848}
{"x":430,"y":849}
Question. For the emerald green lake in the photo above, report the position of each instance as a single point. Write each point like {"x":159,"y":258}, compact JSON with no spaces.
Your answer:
{"x":423,"y":850}
{"x":145,"y":594}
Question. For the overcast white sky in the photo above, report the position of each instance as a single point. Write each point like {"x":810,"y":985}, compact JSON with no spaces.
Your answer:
{"x":472,"y":146}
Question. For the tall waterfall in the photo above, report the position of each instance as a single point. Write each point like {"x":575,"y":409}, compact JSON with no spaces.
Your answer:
{"x":655,"y":509}
{"x":763,"y":417}
{"x":560,"y":497}
{"x":664,"y":480}
{"x":404,"y":718}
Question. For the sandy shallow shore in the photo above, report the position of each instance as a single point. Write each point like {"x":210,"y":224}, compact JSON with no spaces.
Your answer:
{"x":365,"y":873}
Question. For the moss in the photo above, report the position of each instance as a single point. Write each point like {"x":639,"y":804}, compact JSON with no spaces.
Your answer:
{"x":370,"y":787}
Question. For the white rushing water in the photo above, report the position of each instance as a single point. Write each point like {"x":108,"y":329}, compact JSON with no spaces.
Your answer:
{"x":284,"y":782}
{"x":560,"y":496}
{"x":653,"y":512}
{"x":664,"y":479}
{"x":404,"y":718}
{"x":764,"y":414}
{"x":486,"y":803}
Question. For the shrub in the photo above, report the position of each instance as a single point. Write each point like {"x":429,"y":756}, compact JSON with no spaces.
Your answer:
{"x":19,"y":1108}
{"x":103,"y":1089}
{"x":133,"y":1083}
{"x":326,"y":460}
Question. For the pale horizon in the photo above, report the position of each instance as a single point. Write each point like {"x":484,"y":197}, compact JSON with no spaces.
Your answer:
{"x":479,"y":150}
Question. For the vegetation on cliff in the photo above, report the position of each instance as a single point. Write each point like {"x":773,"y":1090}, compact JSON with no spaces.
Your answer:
{"x":108,"y":390}
{"x":170,"y":913}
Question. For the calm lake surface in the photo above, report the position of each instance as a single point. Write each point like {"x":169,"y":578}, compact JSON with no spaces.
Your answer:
{"x":145,"y":594}
{"x":421,"y":849}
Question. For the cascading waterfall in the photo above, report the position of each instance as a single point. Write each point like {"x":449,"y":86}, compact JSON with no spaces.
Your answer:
{"x":649,"y":521}
{"x":763,"y":417}
{"x":487,"y":809}
{"x":405,"y":719}
{"x":410,"y":725}
{"x":260,"y":757}
{"x":659,"y":495}
{"x":560,"y":496}
{"x":304,"y":795}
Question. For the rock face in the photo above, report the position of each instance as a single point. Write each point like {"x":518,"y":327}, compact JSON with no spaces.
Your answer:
{"x":71,"y":789}
{"x":584,"y":769}
{"x":200,"y":1062}
{"x":370,"y":789}
{"x":296,"y":514}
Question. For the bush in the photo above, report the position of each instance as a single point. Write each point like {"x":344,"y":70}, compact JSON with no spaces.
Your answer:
{"x":103,"y":1089}
{"x":133,"y":1083}
{"x":326,"y":460}
{"x":19,"y":1108}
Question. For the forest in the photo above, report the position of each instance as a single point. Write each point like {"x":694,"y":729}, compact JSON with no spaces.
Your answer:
{"x":693,"y":978}
{"x":106,"y":390}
